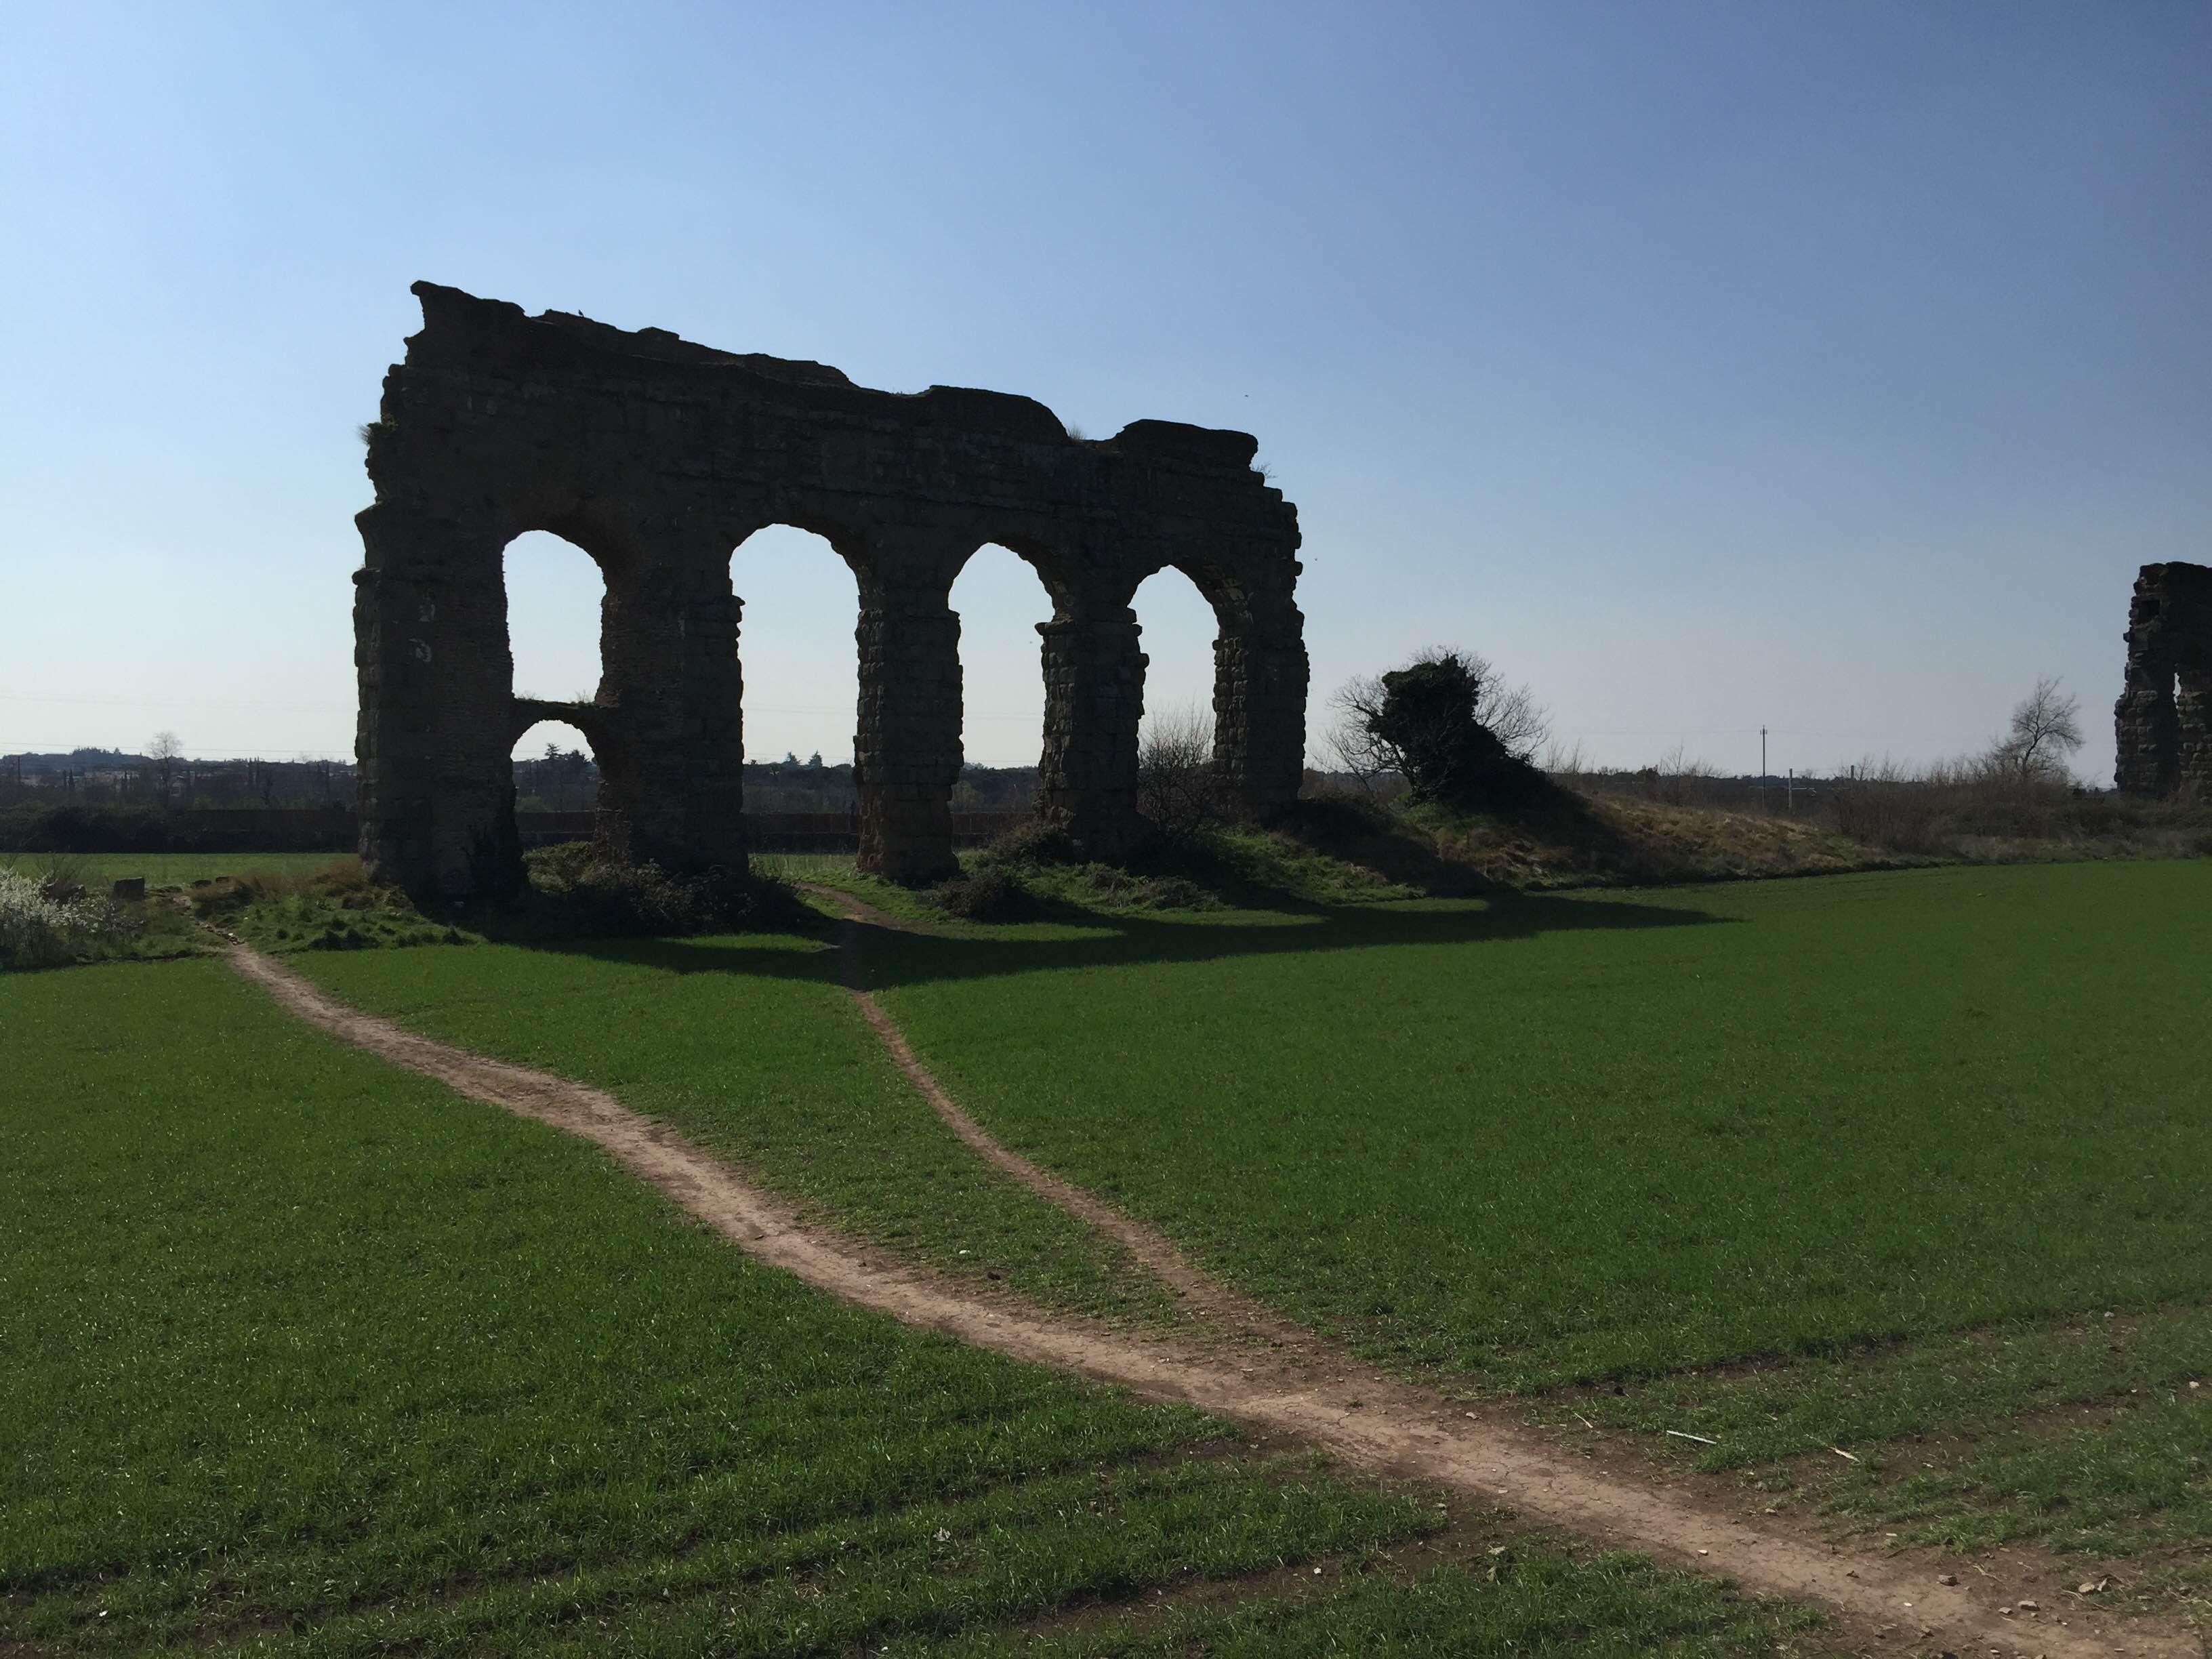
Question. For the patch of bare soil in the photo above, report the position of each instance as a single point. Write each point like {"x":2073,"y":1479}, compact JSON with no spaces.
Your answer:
{"x":1316,"y":1397}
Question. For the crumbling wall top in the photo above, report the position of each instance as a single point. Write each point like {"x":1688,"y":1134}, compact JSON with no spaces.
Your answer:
{"x":464,"y":333}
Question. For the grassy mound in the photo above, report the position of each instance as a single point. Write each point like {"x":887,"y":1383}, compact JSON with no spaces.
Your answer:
{"x":330,"y":907}
{"x":575,"y":892}
{"x":1564,"y":840}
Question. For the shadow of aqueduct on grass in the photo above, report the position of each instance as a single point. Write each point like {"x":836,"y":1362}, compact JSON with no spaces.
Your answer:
{"x":895,"y":956}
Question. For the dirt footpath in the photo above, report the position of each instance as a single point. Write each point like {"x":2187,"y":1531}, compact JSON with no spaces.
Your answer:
{"x":1265,"y":1374}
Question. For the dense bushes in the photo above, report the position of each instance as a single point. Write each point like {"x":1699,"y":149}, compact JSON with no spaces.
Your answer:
{"x":608,"y":896}
{"x":1034,"y":843}
{"x":989,"y":894}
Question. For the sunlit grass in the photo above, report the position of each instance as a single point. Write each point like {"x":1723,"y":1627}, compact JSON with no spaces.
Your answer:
{"x":299,"y":1344}
{"x":1545,"y":1138}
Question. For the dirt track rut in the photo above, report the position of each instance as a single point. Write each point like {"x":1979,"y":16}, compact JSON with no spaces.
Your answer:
{"x":1324,"y":1399}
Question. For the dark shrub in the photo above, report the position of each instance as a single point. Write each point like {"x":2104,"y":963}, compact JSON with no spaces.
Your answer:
{"x":645,"y":899}
{"x":1428,"y":718}
{"x":610,"y":896}
{"x":989,"y":894}
{"x":63,"y":879}
{"x":1031,"y":843}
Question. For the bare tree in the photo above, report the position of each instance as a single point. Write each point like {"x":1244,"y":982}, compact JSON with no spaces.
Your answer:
{"x":1351,"y":741}
{"x":1680,"y":779}
{"x":1175,"y":786}
{"x":1564,"y":760}
{"x":2046,"y":730}
{"x":164,"y":751}
{"x":1513,"y":715}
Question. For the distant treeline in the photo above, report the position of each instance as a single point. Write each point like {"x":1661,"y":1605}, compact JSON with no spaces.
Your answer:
{"x":569,"y":781}
{"x":559,"y":780}
{"x":80,"y":826}
{"x":48,"y":816}
{"x":173,"y":781}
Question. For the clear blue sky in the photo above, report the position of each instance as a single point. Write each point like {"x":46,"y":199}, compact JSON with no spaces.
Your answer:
{"x":1828,"y":365}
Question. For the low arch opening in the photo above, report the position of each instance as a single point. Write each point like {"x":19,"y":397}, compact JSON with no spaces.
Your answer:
{"x":555,"y":772}
{"x":1179,"y":627}
{"x":1001,"y":601}
{"x":800,"y":661}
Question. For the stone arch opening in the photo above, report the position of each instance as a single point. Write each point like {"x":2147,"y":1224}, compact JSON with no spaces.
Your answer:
{"x":1003,"y":605}
{"x":556,"y":604}
{"x":554,"y":771}
{"x":798,"y":602}
{"x":1180,"y":630}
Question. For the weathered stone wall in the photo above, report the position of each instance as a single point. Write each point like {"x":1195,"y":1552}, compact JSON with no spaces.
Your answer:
{"x":2163,"y":720}
{"x":657,"y":458}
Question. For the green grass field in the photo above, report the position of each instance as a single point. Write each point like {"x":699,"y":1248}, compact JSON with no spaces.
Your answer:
{"x":173,"y":869}
{"x":748,"y":1045}
{"x":1905,"y":1164}
{"x":1898,"y":1141}
{"x":1539,"y":1140}
{"x":1927,"y":1147}
{"x":306,"y":1355}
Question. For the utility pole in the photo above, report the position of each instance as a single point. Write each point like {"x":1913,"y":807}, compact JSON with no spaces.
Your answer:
{"x":1762,"y":767}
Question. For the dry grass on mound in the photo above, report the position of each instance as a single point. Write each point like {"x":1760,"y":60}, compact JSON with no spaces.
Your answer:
{"x":1584,"y":843}
{"x":1565,"y":840}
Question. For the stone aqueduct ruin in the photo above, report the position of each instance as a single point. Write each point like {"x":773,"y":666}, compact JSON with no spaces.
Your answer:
{"x":657,"y":458}
{"x":2164,"y":718}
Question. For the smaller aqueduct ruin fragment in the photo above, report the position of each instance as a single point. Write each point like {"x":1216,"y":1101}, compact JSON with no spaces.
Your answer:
{"x":2164,"y":717}
{"x":657,"y":458}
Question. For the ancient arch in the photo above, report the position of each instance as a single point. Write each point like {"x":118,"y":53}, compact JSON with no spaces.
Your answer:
{"x":2163,"y":721}
{"x":657,"y":458}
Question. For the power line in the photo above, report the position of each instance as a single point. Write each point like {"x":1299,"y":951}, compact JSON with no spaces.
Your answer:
{"x":229,"y":753}
{"x":152,"y":701}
